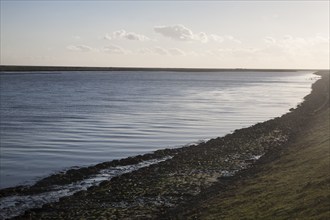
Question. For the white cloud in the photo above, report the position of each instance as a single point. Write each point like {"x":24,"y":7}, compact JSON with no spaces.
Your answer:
{"x":320,"y":39}
{"x":80,"y":48}
{"x":114,"y":49}
{"x":296,"y":46}
{"x":182,"y":33}
{"x":287,"y":37}
{"x":119,"y":33}
{"x":192,"y":53}
{"x":203,"y":37}
{"x":232,"y":39}
{"x":176,"y":52}
{"x":225,"y":38}
{"x":122,"y":34}
{"x":286,"y":50}
{"x":270,"y":40}
{"x":216,"y":38}
{"x":176,"y":32}
{"x":237,"y":52}
{"x":144,"y":51}
{"x":134,"y":36}
{"x":286,"y":47}
{"x":107,"y":37}
{"x":160,"y":51}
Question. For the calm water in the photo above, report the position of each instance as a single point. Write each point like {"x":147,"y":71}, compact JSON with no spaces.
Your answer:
{"x":51,"y":122}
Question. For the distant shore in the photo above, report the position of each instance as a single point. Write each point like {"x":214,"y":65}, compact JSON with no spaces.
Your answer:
{"x":171,"y":188}
{"x":13,"y":68}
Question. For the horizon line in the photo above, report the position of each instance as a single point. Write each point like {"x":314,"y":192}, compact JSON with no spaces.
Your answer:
{"x":22,"y":68}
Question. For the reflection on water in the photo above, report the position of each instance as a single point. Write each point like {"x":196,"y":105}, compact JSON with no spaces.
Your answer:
{"x":50,"y":122}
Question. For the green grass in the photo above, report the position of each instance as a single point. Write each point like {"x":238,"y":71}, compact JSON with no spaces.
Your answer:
{"x":296,"y":186}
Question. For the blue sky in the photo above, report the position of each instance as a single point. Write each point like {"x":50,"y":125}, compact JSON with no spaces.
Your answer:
{"x":210,"y":34}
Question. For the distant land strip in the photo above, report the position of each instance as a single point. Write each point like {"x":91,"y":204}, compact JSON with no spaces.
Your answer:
{"x":12,"y":68}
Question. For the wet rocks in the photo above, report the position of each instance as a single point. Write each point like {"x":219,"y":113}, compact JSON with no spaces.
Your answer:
{"x":154,"y":189}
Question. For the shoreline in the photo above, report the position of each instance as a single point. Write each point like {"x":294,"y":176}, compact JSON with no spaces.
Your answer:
{"x":230,"y":122}
{"x":152,"y":191}
{"x":26,"y":69}
{"x":291,"y":183}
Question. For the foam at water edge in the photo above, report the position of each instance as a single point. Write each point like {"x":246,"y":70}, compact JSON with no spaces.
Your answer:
{"x":12,"y":206}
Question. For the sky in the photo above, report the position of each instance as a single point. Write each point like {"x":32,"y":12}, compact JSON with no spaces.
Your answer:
{"x":182,"y":34}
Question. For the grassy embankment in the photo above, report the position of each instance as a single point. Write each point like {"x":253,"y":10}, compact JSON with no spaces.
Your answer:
{"x":294,"y":186}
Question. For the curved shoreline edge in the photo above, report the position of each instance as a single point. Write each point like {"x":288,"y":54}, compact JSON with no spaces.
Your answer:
{"x":291,"y":183}
{"x":151,"y":192}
